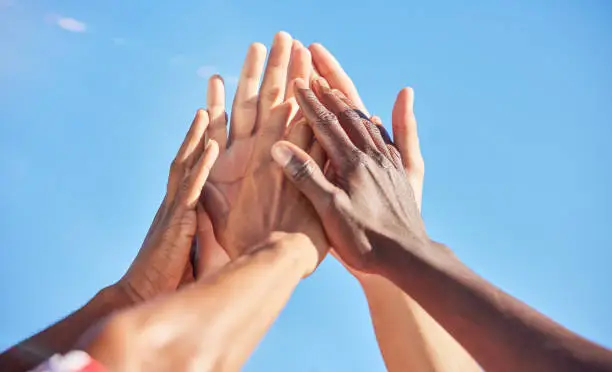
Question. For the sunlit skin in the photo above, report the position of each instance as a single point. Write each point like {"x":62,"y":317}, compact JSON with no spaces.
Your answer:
{"x":499,"y":331}
{"x":245,"y":178}
{"x":408,"y":337}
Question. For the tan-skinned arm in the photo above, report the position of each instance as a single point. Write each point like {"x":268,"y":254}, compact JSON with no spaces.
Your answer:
{"x":60,"y":337}
{"x":408,"y":337}
{"x":213,"y":324}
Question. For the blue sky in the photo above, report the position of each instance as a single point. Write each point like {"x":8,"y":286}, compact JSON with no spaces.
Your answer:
{"x":513,"y":103}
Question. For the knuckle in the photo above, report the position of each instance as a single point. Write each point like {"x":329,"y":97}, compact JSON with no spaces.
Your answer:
{"x":273,"y":93}
{"x":325,"y":117}
{"x":249,"y":104}
{"x":175,"y":167}
{"x":349,"y":115}
{"x":301,"y":171}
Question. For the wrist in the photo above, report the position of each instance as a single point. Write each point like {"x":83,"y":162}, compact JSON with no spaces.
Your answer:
{"x":296,"y":247}
{"x":405,"y":256}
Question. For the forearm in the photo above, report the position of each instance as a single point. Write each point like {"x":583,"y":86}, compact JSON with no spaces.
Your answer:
{"x":62,"y":336}
{"x":502,"y":333}
{"x":216,"y":323}
{"x":408,"y":337}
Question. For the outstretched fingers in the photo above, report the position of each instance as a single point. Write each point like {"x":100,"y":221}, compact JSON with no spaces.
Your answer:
{"x":188,"y":153}
{"x":326,"y":127}
{"x":331,"y":70}
{"x":244,"y":107}
{"x":195,"y":180}
{"x":215,"y":105}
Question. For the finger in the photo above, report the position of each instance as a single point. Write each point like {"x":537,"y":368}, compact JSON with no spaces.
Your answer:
{"x":395,"y":156}
{"x":302,"y":171}
{"x":317,"y":154}
{"x":300,"y":133}
{"x":325,"y":126}
{"x":405,"y":132}
{"x":330,"y":69}
{"x":300,"y":66}
{"x":215,"y":105}
{"x":375,"y":131}
{"x":272,"y":91}
{"x":193,"y":141}
{"x":376,"y":120}
{"x":211,"y":255}
{"x":199,"y":174}
{"x":244,"y":107}
{"x":348,"y":117}
{"x":188,"y":275}
{"x":273,"y":131}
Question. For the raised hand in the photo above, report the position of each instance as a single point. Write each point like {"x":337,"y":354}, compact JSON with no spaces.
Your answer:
{"x":163,"y":260}
{"x":247,"y":196}
{"x":370,"y":201}
{"x":405,"y":135}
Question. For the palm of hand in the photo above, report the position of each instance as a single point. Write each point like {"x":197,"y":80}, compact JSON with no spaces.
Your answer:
{"x":248,"y":196}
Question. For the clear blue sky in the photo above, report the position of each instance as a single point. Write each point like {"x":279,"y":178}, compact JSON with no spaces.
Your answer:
{"x":514,"y":105}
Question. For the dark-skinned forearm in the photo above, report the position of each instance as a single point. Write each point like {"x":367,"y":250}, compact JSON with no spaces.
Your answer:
{"x":61,"y":336}
{"x":501,"y":332}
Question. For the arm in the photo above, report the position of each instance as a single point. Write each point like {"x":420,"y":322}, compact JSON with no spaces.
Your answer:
{"x":408,"y":337}
{"x":372,"y":220}
{"x":61,"y":337}
{"x":215,"y":323}
{"x":165,"y":251}
{"x":475,"y":312}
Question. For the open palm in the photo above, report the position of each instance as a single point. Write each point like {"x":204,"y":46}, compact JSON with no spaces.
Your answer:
{"x":247,"y":195}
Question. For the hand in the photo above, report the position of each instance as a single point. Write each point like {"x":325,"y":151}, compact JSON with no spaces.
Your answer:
{"x":163,"y":260}
{"x":247,"y":196}
{"x":371,"y":202}
{"x":403,"y":120}
{"x":404,"y":124}
{"x":210,"y":324}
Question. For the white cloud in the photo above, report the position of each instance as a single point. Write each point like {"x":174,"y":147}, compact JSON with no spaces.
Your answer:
{"x":206,"y":71}
{"x":71,"y":24}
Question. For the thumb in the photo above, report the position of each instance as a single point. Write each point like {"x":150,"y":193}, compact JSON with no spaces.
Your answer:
{"x":305,"y":174}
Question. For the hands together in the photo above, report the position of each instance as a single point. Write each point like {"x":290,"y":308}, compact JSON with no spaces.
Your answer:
{"x":260,"y":204}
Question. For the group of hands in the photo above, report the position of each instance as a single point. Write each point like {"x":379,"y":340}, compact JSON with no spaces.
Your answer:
{"x":254,"y":205}
{"x":300,"y":162}
{"x":301,"y":157}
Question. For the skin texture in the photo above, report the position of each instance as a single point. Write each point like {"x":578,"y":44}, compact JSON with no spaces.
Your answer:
{"x":502,"y":333}
{"x":162,"y":264}
{"x":408,"y":337}
{"x":213,"y":324}
{"x":245,"y":178}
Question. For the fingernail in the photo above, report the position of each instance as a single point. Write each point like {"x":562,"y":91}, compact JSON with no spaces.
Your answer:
{"x":281,"y":154}
{"x":322,"y":83}
{"x":300,"y":84}
{"x":209,"y":143}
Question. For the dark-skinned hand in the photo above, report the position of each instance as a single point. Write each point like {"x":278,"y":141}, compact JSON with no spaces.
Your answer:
{"x":368,"y":204}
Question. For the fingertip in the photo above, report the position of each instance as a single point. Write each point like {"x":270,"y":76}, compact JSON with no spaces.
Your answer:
{"x":282,"y":153}
{"x":257,"y":49}
{"x":215,"y":78}
{"x":317,"y":47}
{"x":212,"y":151}
{"x":282,"y":36}
{"x":406,"y":96}
{"x":300,"y":84}
{"x":201,"y":118}
{"x":201,"y":112}
{"x":297,"y":44}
